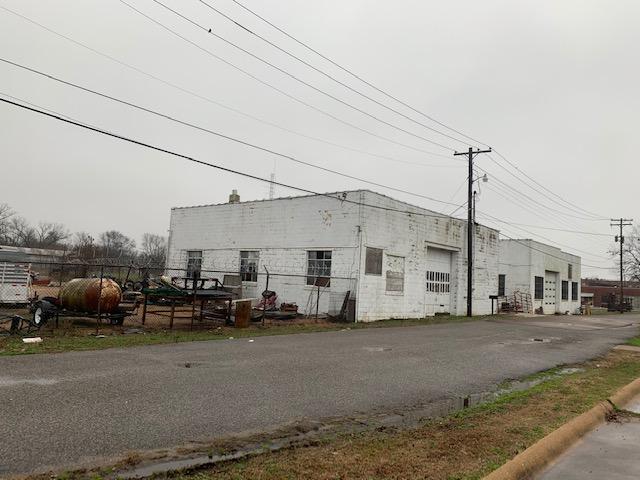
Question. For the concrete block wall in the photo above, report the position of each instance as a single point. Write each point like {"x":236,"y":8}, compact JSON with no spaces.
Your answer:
{"x":411,"y":236}
{"x":282,"y":231}
{"x":539,"y":258}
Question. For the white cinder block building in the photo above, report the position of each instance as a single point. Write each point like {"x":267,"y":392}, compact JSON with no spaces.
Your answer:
{"x":395,"y":264}
{"x":549,"y":275}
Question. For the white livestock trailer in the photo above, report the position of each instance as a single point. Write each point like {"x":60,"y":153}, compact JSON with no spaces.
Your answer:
{"x":15,"y":283}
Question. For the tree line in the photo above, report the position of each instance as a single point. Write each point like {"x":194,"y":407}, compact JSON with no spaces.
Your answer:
{"x":111,"y":246}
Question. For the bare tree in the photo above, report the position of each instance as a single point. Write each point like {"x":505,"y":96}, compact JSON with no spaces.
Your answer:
{"x":6,"y":212}
{"x":154,"y":249}
{"x":21,"y":233}
{"x":83,"y":246}
{"x":115,"y":245}
{"x":630,"y":254}
{"x":49,"y":235}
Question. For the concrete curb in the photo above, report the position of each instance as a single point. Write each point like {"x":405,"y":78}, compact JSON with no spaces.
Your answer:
{"x":530,"y":462}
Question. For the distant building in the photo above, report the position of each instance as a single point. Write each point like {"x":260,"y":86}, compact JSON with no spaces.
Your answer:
{"x":397,"y":260}
{"x":30,"y":255}
{"x":604,"y":292}
{"x":548,"y":275}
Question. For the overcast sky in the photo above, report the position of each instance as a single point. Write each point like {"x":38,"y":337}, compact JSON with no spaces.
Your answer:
{"x":551,"y":85}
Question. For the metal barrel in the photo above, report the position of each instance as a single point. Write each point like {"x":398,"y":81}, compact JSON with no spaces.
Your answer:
{"x":84,"y":295}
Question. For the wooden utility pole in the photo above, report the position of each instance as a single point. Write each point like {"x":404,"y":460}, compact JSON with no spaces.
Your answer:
{"x":621,"y":222}
{"x":470,"y":225}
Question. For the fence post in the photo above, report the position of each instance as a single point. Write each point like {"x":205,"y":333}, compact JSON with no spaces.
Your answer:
{"x":99,"y":300}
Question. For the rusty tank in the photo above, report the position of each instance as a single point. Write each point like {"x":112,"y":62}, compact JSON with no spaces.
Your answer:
{"x":84,"y":295}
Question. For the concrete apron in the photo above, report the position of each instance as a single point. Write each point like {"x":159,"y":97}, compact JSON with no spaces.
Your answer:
{"x":549,"y":458}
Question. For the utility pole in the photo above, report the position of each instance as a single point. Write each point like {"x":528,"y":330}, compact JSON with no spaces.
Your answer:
{"x":621,"y":222}
{"x":470,"y":225}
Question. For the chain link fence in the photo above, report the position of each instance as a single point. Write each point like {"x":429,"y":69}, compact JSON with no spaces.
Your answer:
{"x":50,"y":295}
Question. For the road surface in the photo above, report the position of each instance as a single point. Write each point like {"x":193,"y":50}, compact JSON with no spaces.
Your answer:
{"x":61,"y":410}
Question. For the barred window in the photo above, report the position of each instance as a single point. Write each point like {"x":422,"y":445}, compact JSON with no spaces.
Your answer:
{"x":570,"y":272}
{"x":574,"y":291}
{"x":194,"y":263}
{"x":539,"y":288}
{"x":373,"y":261}
{"x":249,"y":265}
{"x":565,"y":290}
{"x":319,"y":267}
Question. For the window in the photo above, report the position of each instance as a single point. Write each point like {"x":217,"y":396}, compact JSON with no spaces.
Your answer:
{"x":574,"y":291}
{"x":570,"y":272}
{"x":565,"y":290}
{"x":249,"y":265}
{"x":194,"y":263}
{"x":373,"y":261}
{"x":319,"y":267}
{"x":438,"y":282}
{"x":501,"y":283}
{"x":539,"y":288}
{"x":395,"y":274}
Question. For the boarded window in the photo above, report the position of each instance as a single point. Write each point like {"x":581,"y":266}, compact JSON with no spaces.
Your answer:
{"x":319,"y":268}
{"x":373,"y":261}
{"x":395,"y":274}
{"x":539,"y":288}
{"x":501,"y":283}
{"x":194,"y":263}
{"x":574,"y":291}
{"x":249,"y":265}
{"x":565,"y":290}
{"x":570,"y":272}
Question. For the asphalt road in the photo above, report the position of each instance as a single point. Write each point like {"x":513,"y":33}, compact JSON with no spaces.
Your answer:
{"x":64,"y":409}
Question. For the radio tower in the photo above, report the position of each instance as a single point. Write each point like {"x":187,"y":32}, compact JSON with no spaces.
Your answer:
{"x":272,"y":186}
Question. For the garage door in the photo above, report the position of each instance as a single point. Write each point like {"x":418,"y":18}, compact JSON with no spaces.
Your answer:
{"x":438,"y":282}
{"x":550,"y":292}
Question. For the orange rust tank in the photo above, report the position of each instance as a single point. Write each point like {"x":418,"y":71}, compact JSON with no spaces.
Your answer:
{"x":82,"y":295}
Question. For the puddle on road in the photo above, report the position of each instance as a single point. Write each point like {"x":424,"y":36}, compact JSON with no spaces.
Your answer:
{"x":315,"y":431}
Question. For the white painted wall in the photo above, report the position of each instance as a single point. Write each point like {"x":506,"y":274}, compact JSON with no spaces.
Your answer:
{"x":412,"y":236}
{"x":282,"y":230}
{"x":522,"y":260}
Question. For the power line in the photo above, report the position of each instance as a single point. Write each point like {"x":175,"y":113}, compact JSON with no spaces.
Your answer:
{"x":509,"y":196}
{"x":227,"y":107}
{"x":350,"y":72}
{"x":325,"y":74}
{"x":589,"y":254}
{"x":536,"y":190}
{"x":521,"y":242}
{"x":545,"y":188}
{"x":294,"y":77}
{"x":212,"y":165}
{"x":579,"y":209}
{"x":354,"y":75}
{"x":561,"y":229}
{"x":273,"y":87}
{"x":218,"y":134}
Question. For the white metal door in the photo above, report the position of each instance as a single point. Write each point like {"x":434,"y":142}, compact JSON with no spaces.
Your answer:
{"x":438,"y":282}
{"x":550,"y":292}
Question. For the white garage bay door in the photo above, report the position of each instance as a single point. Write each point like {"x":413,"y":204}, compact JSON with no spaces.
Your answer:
{"x":438,"y":282}
{"x":550,"y":292}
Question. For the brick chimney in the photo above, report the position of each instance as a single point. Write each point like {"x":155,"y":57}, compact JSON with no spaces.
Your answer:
{"x":234,"y":197}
